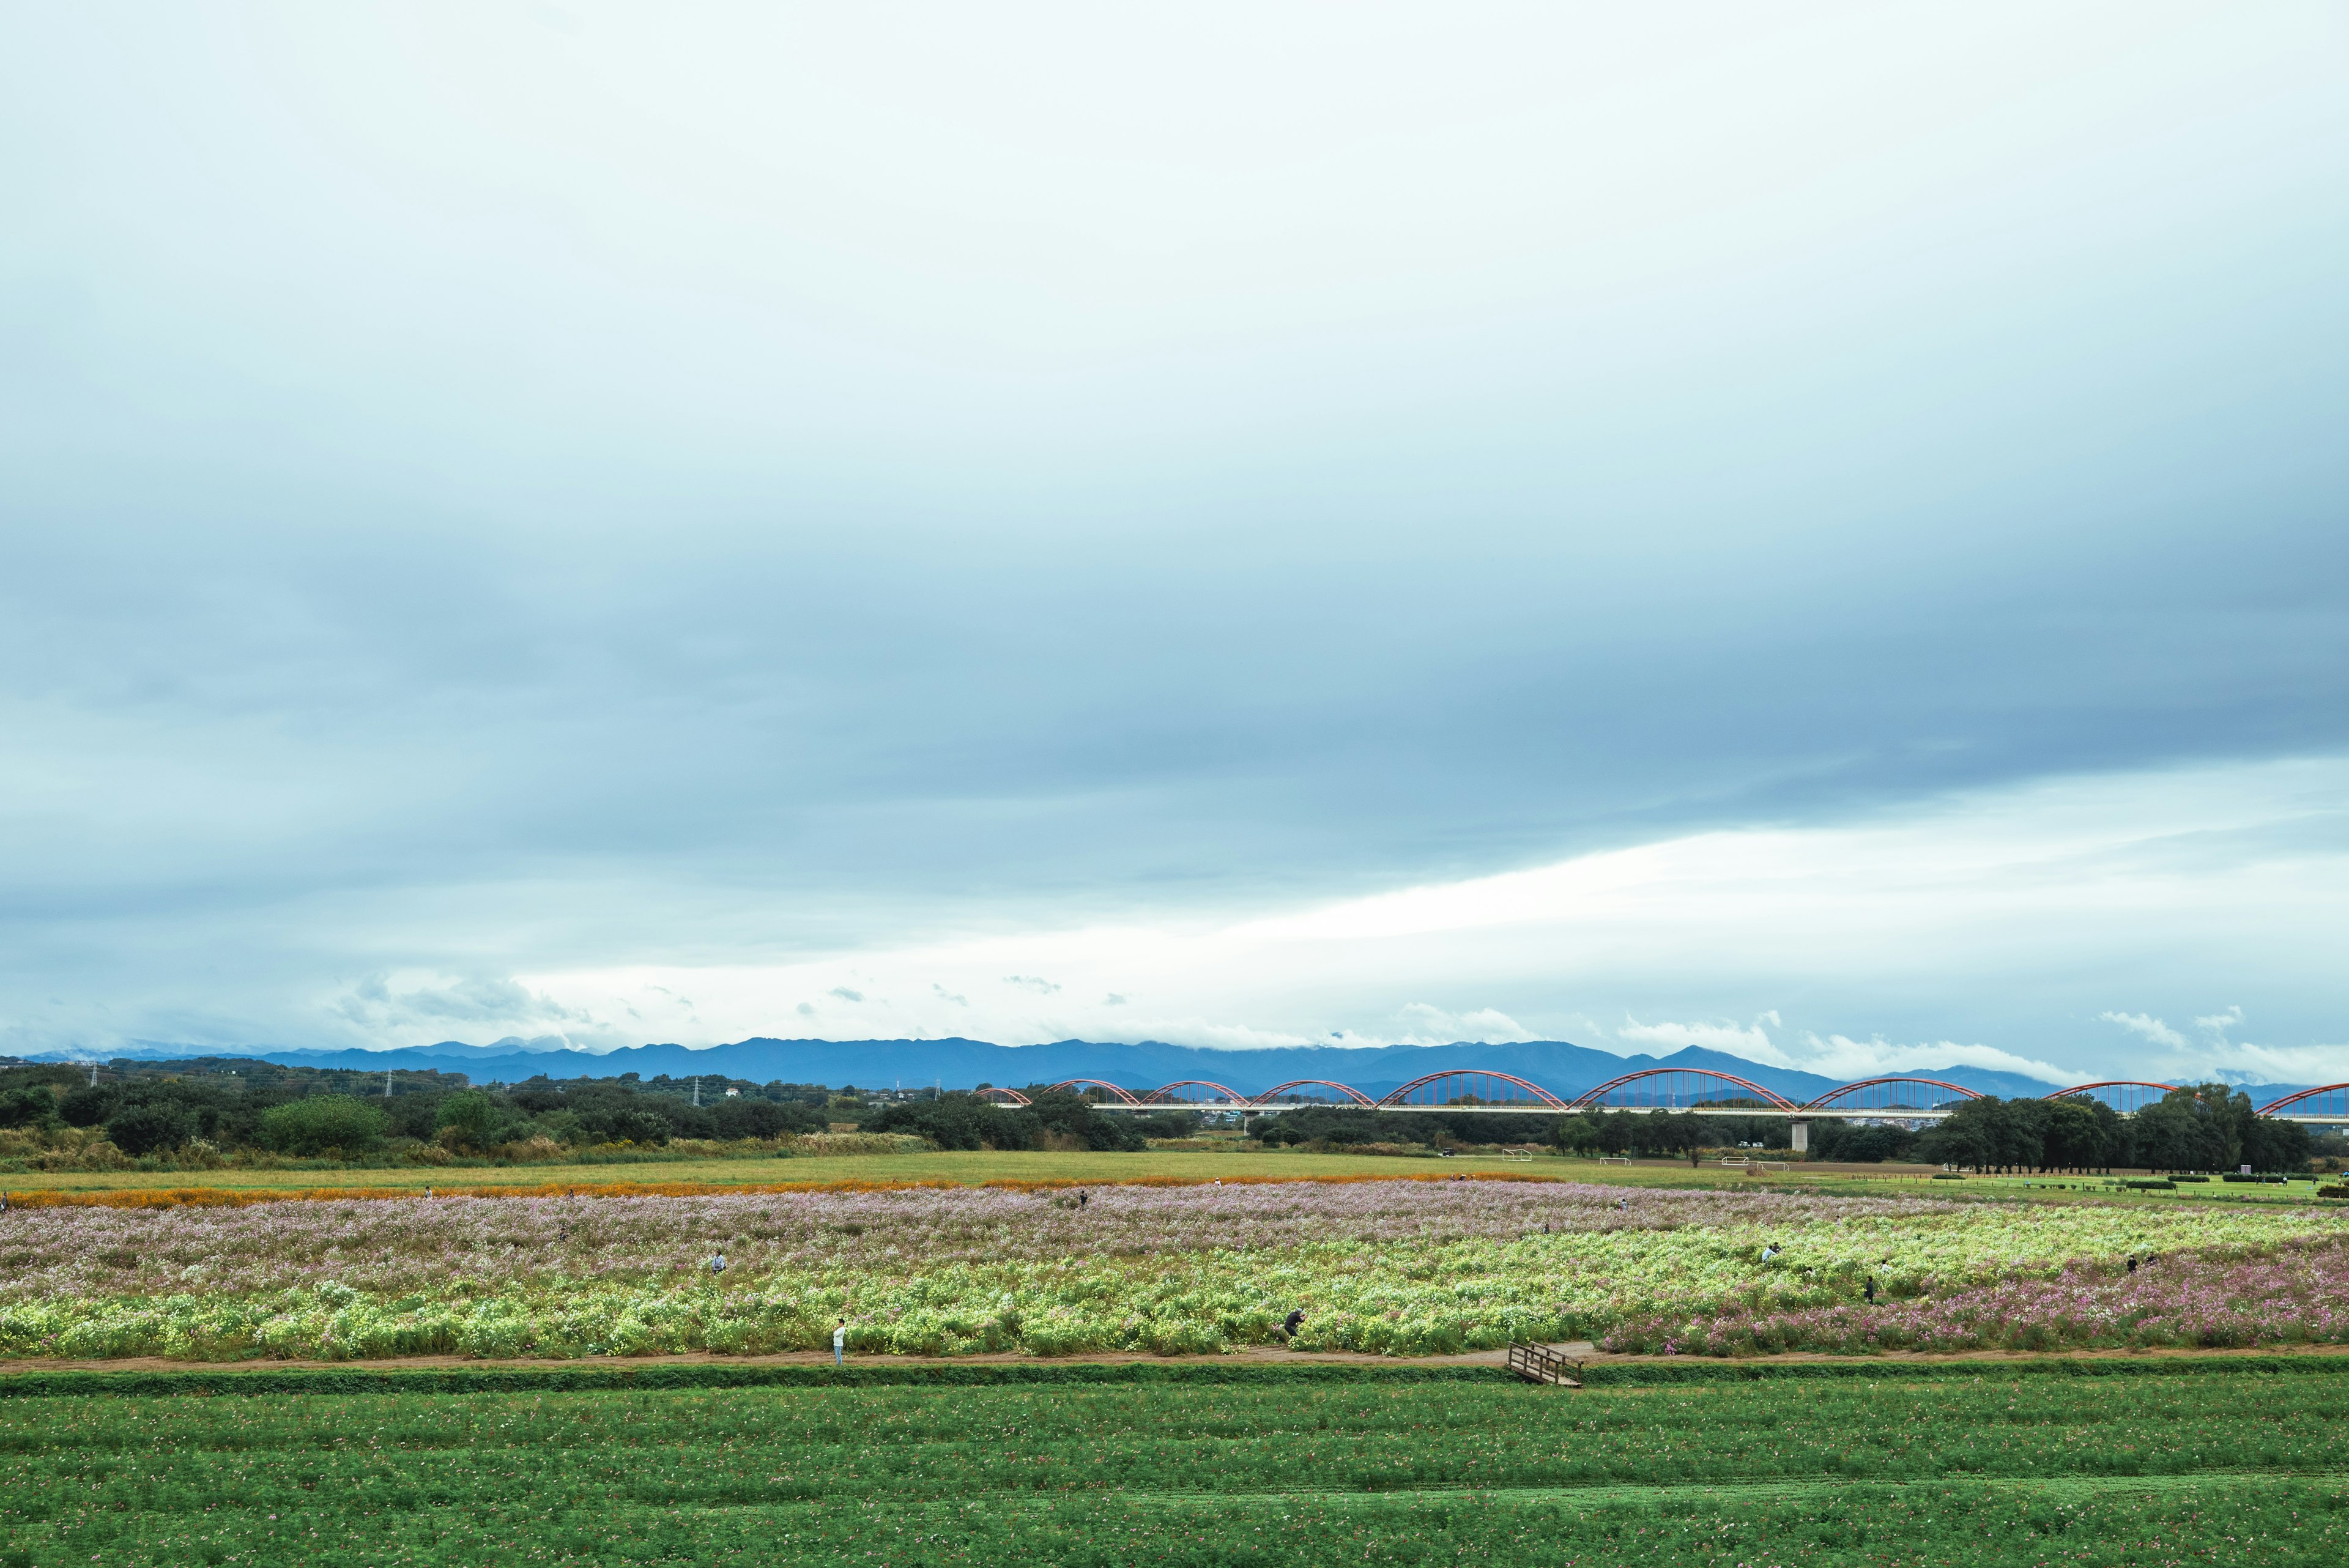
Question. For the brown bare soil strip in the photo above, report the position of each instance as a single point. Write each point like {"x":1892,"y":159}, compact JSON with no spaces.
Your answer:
{"x":1891,"y":1360}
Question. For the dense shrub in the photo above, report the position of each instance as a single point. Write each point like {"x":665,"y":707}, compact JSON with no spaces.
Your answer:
{"x":314,"y":1127}
{"x":472,"y":1119}
{"x":1347,"y":1126}
{"x":967,"y":1122}
{"x":961,"y":1122}
{"x":34,"y":1106}
{"x":150,"y":1128}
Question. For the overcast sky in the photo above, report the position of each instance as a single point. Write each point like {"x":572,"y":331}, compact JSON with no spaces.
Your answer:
{"x":1812,"y":529}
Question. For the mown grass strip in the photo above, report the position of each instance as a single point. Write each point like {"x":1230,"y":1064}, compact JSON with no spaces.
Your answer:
{"x":1730,"y":1492}
{"x":2275,"y":1524}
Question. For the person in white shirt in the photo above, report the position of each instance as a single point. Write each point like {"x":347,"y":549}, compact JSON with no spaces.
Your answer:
{"x":840,"y":1344}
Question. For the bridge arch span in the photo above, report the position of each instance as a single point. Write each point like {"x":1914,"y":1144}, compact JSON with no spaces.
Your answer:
{"x":1886,"y":1095}
{"x":2322,"y":1100}
{"x":1465,"y":1088}
{"x":1347,"y":1095}
{"x":1000,"y":1096}
{"x":1677,"y":1088}
{"x":1080,"y":1085}
{"x":2126,"y":1096}
{"x":1174,"y":1094}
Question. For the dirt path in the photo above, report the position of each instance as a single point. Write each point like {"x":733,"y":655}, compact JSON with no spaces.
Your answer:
{"x":1258,"y":1354}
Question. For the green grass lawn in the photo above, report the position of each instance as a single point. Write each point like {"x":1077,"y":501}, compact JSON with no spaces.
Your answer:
{"x":2006,"y":1468}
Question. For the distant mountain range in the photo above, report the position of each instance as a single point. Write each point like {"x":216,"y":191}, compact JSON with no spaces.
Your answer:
{"x":1564,"y":1069}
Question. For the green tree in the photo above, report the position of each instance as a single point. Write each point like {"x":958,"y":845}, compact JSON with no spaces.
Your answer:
{"x":2187,"y":1129}
{"x":325,"y":1123}
{"x":2274,"y":1148}
{"x":152,"y":1128}
{"x":1071,"y":1115}
{"x":2082,"y":1134}
{"x":35,"y":1106}
{"x":1853,"y":1143}
{"x":1574,"y":1135}
{"x":477,"y":1120}
{"x":1975,"y":1134}
{"x":960,"y":1121}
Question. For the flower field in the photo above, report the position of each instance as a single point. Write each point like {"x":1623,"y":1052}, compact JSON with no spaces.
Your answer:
{"x":1381,"y":1267}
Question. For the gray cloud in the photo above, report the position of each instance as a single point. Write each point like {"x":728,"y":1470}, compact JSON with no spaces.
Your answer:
{"x":1032,"y":982}
{"x":652,"y":579}
{"x":480,"y":1000}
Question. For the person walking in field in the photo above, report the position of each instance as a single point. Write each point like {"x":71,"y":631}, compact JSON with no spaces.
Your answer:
{"x":840,"y":1344}
{"x":1871,"y":1290}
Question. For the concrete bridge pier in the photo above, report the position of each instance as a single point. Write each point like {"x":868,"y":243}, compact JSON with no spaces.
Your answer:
{"x":1802,"y":1136}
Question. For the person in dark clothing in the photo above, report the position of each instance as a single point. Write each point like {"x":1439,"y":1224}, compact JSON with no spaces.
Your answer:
{"x":2132,"y":1265}
{"x":1083,"y":1199}
{"x":1871,"y":1290}
{"x":1289,"y":1324}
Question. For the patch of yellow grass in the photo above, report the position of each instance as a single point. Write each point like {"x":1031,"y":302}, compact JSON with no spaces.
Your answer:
{"x":964,"y":1168}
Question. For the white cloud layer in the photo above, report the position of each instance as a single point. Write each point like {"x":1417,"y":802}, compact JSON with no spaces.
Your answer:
{"x":1747,"y":1040}
{"x":2009,"y":919}
{"x":1839,"y":1056}
{"x":2152,"y":1029}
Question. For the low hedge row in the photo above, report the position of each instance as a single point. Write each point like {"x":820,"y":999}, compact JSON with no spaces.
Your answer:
{"x":720,"y":1375}
{"x":1652,"y":1373}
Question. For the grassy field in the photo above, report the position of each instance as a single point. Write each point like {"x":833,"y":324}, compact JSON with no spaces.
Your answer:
{"x":2002,"y":1467}
{"x":969,"y":1169}
{"x":979,"y":1167}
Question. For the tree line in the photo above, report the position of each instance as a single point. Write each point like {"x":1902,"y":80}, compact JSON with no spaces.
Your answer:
{"x":212,"y":1107}
{"x":232,"y":1106}
{"x":147,"y":1109}
{"x":2207,"y":1128}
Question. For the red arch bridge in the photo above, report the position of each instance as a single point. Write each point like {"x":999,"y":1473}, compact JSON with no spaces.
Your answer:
{"x":1693,"y":1091}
